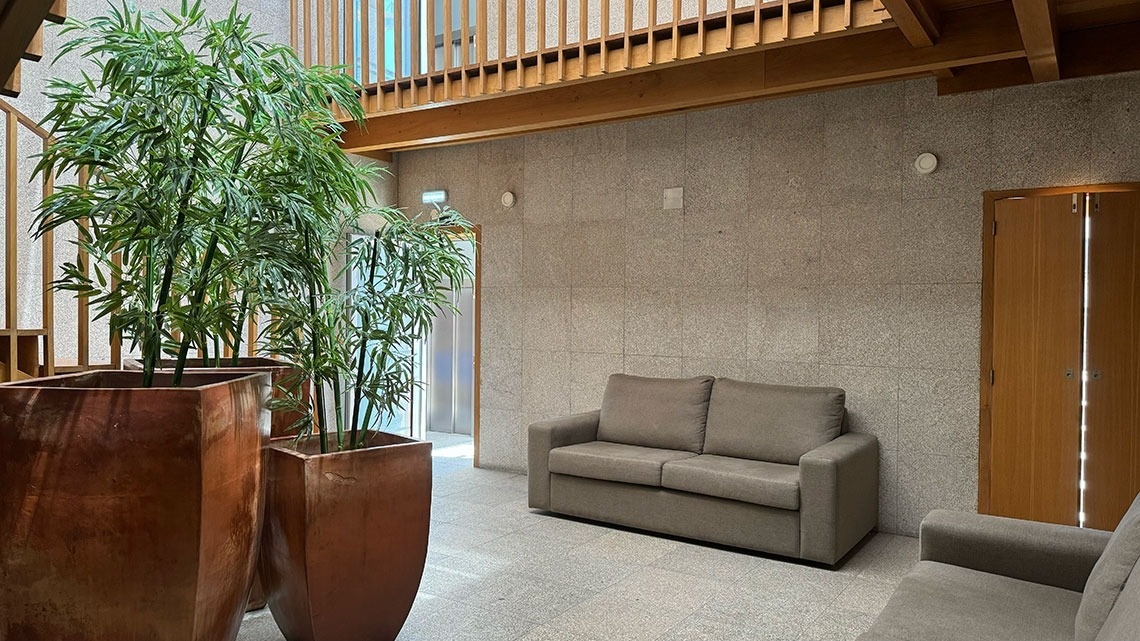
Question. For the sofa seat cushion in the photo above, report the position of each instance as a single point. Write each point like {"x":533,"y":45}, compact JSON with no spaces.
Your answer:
{"x":940,"y":602}
{"x":758,"y":482}
{"x":613,"y":462}
{"x":666,"y":413}
{"x":776,"y":423}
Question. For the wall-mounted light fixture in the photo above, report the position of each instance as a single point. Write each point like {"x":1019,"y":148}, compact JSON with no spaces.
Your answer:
{"x":436,"y":197}
{"x":926,"y":163}
{"x":508,"y":199}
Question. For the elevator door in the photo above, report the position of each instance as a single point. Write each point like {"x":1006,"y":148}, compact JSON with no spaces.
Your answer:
{"x":450,"y":361}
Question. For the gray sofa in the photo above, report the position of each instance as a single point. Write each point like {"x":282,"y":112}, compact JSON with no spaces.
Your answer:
{"x":763,"y":467}
{"x":985,"y":577}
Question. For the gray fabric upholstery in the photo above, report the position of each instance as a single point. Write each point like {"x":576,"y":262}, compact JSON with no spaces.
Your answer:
{"x":665,"y":413}
{"x":545,"y":436}
{"x":1057,"y":555}
{"x":939,"y":602}
{"x":839,"y":496}
{"x":613,"y":462}
{"x":758,"y":482}
{"x":1108,"y":576}
{"x":1123,"y":622}
{"x":707,"y":518}
{"x":774,"y":423}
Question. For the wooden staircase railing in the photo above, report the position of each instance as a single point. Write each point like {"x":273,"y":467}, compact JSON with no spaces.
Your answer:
{"x":22,"y":36}
{"x":411,"y":53}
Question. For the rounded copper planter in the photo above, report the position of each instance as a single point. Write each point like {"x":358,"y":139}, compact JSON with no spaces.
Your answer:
{"x":346,"y":538}
{"x":284,"y":376}
{"x":129,"y":513}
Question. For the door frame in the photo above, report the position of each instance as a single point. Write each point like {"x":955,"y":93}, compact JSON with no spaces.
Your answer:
{"x":985,"y":389}
{"x":475,"y":233}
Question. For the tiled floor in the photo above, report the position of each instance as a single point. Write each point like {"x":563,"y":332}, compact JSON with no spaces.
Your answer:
{"x":498,"y":571}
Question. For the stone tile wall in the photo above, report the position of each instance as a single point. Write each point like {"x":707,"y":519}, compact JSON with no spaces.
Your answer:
{"x":808,"y":252}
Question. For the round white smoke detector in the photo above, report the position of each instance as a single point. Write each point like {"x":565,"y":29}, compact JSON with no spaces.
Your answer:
{"x":926,"y":163}
{"x":508,"y":199}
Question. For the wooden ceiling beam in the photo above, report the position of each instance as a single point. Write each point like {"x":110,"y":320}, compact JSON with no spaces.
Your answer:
{"x":1088,"y":52}
{"x":18,"y":27}
{"x":917,"y":19}
{"x":1037,"y":21}
{"x":969,"y":36}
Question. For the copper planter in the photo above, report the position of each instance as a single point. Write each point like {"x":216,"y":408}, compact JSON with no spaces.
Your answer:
{"x":129,"y":513}
{"x":284,"y":377}
{"x":346,"y":538}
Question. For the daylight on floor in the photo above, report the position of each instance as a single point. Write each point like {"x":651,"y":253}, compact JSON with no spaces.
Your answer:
{"x":570,"y":320}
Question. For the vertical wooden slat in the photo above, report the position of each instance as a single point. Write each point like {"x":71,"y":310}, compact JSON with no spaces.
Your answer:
{"x":502,"y":40}
{"x":350,"y":37}
{"x":294,"y":26}
{"x":562,"y":8}
{"x":465,"y":48}
{"x":398,"y":50}
{"x":729,"y":16}
{"x":846,"y":14}
{"x":583,"y":34}
{"x":365,"y":53}
{"x":520,"y":38}
{"x":540,"y":40}
{"x":381,"y":53}
{"x":429,"y":43}
{"x":757,"y":22}
{"x":676,"y":28}
{"x":415,"y":46}
{"x":47,"y":275}
{"x":11,"y":223}
{"x":334,"y":32}
{"x":307,"y":7}
{"x":320,"y":34}
{"x":786,"y":17}
{"x":652,"y":22}
{"x":448,"y":62}
{"x":815,"y":11}
{"x":83,"y":315}
{"x":628,"y":22}
{"x":702,"y":12}
{"x":481,"y":19}
{"x":604,"y":33}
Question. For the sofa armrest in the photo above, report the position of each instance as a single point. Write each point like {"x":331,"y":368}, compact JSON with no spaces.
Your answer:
{"x":544,"y":436}
{"x":839,"y":496}
{"x":1058,"y":555}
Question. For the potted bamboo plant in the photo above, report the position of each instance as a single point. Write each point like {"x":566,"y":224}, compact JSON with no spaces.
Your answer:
{"x":131,"y":502}
{"x":348,"y":505}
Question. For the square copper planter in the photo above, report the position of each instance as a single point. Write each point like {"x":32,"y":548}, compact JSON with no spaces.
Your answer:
{"x":346,"y":537}
{"x":129,"y":513}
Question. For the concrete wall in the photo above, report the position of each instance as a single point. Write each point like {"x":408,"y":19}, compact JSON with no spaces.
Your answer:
{"x":808,"y":252}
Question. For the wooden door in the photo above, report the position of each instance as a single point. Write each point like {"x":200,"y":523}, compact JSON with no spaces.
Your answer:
{"x":1112,"y":453}
{"x":1035,"y":402}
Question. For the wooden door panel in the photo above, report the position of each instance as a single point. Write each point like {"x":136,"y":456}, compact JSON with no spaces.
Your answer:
{"x":1035,"y":436}
{"x":1113,"y":350}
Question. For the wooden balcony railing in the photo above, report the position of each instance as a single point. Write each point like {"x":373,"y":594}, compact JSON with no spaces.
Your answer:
{"x":410,"y":53}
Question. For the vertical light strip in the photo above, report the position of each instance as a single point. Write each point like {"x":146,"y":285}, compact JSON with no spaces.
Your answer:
{"x":1087,"y":214}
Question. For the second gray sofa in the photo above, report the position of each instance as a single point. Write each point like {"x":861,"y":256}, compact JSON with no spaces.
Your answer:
{"x":763,"y":467}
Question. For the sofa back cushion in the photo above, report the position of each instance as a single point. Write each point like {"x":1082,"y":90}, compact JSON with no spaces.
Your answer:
{"x":1123,"y":620}
{"x":1109,"y":575}
{"x":775,"y":423}
{"x":668,"y":413}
